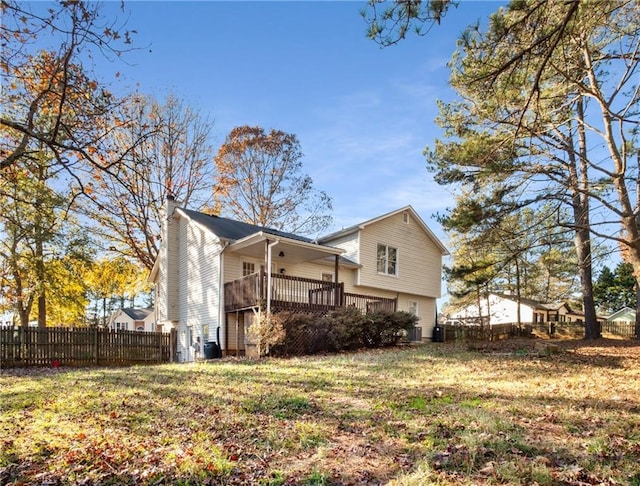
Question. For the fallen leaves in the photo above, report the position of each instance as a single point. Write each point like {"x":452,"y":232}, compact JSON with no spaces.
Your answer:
{"x":440,"y":415}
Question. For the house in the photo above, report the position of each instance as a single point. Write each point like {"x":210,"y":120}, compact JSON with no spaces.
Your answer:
{"x":132,"y":320}
{"x":214,"y":276}
{"x":8,"y":319}
{"x":626,"y":314}
{"x":503,"y":309}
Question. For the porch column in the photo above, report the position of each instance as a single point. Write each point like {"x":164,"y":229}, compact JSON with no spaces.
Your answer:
{"x":338,"y":300}
{"x":269,"y":247}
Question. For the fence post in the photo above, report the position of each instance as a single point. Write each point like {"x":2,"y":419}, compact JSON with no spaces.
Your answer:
{"x":95,"y":345}
{"x":22,"y":351}
{"x":173,"y":338}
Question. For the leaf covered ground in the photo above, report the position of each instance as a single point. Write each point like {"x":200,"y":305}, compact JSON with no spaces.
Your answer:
{"x":433,"y":414}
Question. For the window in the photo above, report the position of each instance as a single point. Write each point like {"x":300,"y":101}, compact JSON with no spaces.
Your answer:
{"x":189,"y":336}
{"x":248,"y":268}
{"x":413,"y":307}
{"x":387,"y":260}
{"x":405,"y":218}
{"x":327,"y":277}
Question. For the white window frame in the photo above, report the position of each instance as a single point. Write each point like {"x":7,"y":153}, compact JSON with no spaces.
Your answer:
{"x":323,"y":276}
{"x":412,"y":308}
{"x":248,"y":262}
{"x":386,"y":260}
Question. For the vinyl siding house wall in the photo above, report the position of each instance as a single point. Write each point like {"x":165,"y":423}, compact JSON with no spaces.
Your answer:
{"x":416,"y":282}
{"x":212,"y":277}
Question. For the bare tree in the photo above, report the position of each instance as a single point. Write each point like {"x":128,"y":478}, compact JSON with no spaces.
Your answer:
{"x":168,"y":153}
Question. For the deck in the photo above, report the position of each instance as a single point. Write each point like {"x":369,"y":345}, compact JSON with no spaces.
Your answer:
{"x":290,"y":293}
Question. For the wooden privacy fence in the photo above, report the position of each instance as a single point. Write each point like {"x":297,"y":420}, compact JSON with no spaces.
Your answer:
{"x":551,"y":329}
{"x":625,"y":329}
{"x":60,"y":346}
{"x":486,"y":333}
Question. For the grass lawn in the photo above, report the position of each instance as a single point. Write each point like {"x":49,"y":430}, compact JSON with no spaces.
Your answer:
{"x":434,"y":414}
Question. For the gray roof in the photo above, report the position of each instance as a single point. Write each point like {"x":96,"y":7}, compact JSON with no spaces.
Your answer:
{"x":137,"y":314}
{"x":229,"y":229}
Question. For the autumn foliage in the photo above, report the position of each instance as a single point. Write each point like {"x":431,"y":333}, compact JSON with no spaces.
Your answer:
{"x":259,"y":181}
{"x":50,"y":100}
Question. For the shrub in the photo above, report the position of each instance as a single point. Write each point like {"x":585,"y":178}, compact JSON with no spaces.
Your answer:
{"x":385,"y":328}
{"x":302,"y":335}
{"x":344,"y":326}
{"x":267,"y":333}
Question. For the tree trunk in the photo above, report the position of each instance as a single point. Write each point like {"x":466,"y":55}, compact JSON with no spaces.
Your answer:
{"x":40,"y":275}
{"x":583,"y":248}
{"x":518,"y":292}
{"x":637,"y":333}
{"x":580,"y":204}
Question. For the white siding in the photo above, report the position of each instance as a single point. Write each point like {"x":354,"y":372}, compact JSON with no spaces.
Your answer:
{"x":350,"y":244}
{"x":199,"y":293}
{"x":233,"y":266}
{"x":120,"y":318}
{"x":419,"y":258}
{"x":150,"y":323}
{"x":503,"y":311}
{"x":170,"y":275}
{"x":426,"y":312}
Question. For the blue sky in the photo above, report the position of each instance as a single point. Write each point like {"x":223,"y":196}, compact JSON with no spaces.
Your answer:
{"x":363,"y":114}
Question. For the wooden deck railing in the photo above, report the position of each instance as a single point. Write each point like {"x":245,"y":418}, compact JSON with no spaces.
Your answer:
{"x":243,"y":293}
{"x":370,"y":303}
{"x":297,"y":293}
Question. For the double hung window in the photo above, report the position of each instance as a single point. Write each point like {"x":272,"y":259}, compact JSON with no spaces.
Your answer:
{"x":387,"y":260}
{"x":248,"y":268}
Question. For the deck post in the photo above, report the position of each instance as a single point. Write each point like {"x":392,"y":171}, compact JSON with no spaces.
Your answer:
{"x":337,"y":299}
{"x":237,"y":333}
{"x":270,"y":245}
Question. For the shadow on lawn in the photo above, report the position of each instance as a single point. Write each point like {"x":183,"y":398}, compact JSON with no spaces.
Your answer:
{"x":380,"y":413}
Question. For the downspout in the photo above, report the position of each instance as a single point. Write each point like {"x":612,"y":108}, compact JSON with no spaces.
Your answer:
{"x":222,"y":315}
{"x":337,"y":297}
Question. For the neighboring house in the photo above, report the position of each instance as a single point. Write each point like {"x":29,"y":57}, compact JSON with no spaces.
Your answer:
{"x":132,"y":320}
{"x":626,"y":314}
{"x":503,"y":309}
{"x":8,"y":319}
{"x":214,"y":276}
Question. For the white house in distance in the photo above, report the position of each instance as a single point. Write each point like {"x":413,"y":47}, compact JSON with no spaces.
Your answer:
{"x":626,"y":314}
{"x":503,"y":309}
{"x":7,"y":319}
{"x":132,"y":320}
{"x":211,"y":275}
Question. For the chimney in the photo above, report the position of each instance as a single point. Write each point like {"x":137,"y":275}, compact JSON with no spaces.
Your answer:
{"x":169,"y":262}
{"x":170,"y":206}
